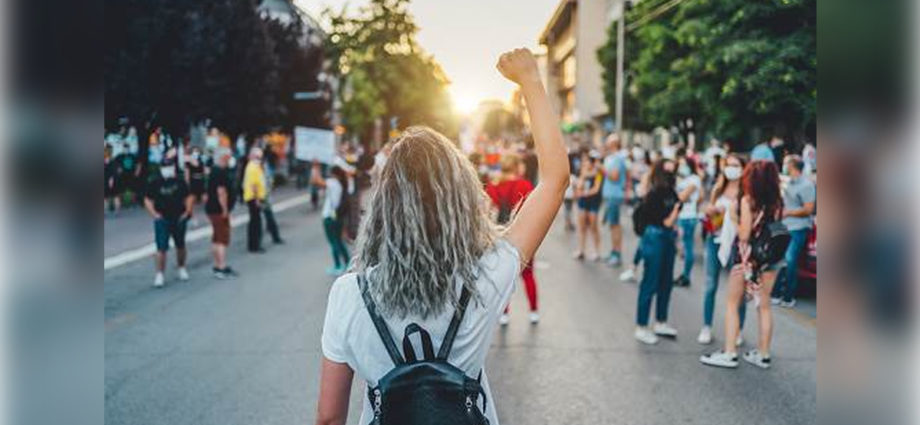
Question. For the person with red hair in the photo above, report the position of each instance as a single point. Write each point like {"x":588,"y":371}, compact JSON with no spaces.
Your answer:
{"x":760,"y":205}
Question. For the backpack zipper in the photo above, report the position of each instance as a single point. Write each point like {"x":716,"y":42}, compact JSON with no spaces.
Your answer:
{"x":377,"y":404}
{"x":469,"y":404}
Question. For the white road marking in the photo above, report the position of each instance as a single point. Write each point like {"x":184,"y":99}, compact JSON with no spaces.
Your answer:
{"x":145,"y":251}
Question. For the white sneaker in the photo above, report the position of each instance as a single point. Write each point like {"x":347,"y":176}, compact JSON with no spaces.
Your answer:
{"x":720,"y":359}
{"x":664,"y":330}
{"x":183,"y":274}
{"x":534,"y":317}
{"x":755,"y":358}
{"x":739,"y":341}
{"x":787,"y":304}
{"x":705,"y":335}
{"x":645,"y":336}
{"x":775,"y":301}
{"x":159,"y":280}
{"x":628,"y":275}
{"x":504,"y":319}
{"x":594,"y":257}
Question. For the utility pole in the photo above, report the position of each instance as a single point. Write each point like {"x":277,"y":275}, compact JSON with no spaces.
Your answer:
{"x":621,"y":50}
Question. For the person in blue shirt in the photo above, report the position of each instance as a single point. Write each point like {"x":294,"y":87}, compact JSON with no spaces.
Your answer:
{"x":762,"y":152}
{"x":614,"y":193}
{"x":799,"y":199}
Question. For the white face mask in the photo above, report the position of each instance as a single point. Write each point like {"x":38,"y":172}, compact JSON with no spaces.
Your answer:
{"x":732,"y":172}
{"x":168,"y":172}
{"x":683,"y":170}
{"x":231,"y":163}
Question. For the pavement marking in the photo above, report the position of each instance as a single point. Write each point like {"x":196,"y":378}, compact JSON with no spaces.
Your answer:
{"x":145,"y":251}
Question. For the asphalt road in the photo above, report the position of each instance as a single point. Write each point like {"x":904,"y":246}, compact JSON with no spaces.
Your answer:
{"x":247,"y":351}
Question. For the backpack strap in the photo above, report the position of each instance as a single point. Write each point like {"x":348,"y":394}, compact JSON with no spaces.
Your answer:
{"x":427,"y":350}
{"x":448,"y":342}
{"x":379,"y":324}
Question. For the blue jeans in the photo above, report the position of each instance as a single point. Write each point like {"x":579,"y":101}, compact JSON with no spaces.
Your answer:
{"x":688,"y":228}
{"x":788,"y":283}
{"x":713,"y":271}
{"x":658,"y":253}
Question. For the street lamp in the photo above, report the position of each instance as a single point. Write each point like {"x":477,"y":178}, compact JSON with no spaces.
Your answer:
{"x":621,"y":51}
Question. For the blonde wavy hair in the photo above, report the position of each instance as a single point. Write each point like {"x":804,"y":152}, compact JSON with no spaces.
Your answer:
{"x":427,"y":225}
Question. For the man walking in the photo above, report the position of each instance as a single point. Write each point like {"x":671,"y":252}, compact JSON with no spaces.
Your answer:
{"x":254,"y":192}
{"x":798,"y":206}
{"x":169,"y":202}
{"x":613,"y":191}
{"x":218,"y":206}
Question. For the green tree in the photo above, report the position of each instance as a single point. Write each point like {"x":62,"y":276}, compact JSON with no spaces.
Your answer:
{"x":383,"y":72}
{"x":735,"y":68}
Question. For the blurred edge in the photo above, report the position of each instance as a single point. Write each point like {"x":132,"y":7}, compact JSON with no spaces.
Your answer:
{"x":867,"y":211}
{"x":53,"y":303}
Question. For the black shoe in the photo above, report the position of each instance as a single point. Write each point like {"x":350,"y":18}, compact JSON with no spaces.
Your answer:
{"x":218,"y":273}
{"x":682,"y":281}
{"x":257,"y":251}
{"x":230,"y":272}
{"x":278,"y":241}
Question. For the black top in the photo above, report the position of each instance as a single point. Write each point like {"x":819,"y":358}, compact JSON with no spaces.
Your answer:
{"x":659,"y":202}
{"x":168,"y":196}
{"x":220,"y":177}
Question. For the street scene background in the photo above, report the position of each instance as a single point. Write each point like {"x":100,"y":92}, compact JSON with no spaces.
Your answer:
{"x":294,"y":90}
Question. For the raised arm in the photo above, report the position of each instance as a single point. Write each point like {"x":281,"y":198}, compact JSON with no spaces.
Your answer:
{"x":538,"y":211}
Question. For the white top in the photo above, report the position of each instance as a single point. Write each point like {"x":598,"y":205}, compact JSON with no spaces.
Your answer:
{"x":689,"y":208}
{"x":333,"y":197}
{"x":349,"y":335}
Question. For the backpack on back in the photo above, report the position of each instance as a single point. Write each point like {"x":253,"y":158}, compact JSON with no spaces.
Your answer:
{"x":639,"y":221}
{"x":427,"y":390}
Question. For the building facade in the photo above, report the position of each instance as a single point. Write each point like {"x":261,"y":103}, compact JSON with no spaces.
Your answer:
{"x":574,"y":33}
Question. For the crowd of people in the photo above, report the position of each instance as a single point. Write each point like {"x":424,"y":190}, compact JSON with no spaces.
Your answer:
{"x":733,"y":197}
{"x":176,"y":176}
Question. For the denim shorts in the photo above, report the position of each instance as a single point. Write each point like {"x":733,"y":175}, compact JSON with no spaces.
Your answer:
{"x":166,"y":228}
{"x":612,"y":211}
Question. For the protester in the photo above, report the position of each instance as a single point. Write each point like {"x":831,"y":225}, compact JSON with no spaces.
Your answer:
{"x":335,"y":209}
{"x":689,"y":189}
{"x":111,"y":201}
{"x":218,"y":205}
{"x":169,"y":202}
{"x":760,"y":204}
{"x":718,"y":223}
{"x":762,"y":152}
{"x":507,"y":194}
{"x":614,"y":193}
{"x":588,"y":193}
{"x":659,"y":211}
{"x":270,"y":223}
{"x":569,"y":201}
{"x":254,"y":193}
{"x":641,"y":172}
{"x":428,"y":246}
{"x":799,"y":199}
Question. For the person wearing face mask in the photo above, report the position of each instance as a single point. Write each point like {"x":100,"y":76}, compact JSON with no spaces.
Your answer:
{"x":721,"y":201}
{"x":660,"y":208}
{"x":799,"y":199}
{"x":689,"y":189}
{"x":169,"y":202}
{"x":254,"y":193}
{"x":195,"y":173}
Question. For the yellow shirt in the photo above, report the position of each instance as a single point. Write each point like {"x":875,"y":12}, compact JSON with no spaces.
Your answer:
{"x":253,"y":182}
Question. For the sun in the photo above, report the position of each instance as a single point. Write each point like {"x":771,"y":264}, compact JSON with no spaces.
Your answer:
{"x":465,"y":102}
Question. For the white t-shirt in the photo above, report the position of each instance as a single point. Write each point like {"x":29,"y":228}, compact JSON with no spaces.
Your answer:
{"x":349,"y":335}
{"x":333,"y":197}
{"x":689,"y":208}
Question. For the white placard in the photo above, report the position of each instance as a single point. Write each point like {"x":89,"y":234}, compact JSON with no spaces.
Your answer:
{"x":314,"y":143}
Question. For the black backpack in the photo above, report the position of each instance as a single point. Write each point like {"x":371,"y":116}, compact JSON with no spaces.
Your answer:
{"x":768,"y":246}
{"x":428,"y":390}
{"x":639,"y":221}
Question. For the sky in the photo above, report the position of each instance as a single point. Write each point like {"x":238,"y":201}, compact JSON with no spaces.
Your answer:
{"x":467,"y":36}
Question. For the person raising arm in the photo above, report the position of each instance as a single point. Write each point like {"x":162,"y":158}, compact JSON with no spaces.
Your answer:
{"x":539,"y":209}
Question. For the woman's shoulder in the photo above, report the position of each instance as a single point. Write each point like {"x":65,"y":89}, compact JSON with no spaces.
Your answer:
{"x":344,"y":294}
{"x":502,"y":255}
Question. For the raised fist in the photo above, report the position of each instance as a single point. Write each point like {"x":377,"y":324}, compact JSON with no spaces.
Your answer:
{"x":519,"y":66}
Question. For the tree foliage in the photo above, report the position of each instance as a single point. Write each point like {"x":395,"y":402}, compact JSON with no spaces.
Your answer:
{"x":383,"y":72}
{"x":735,"y":68}
{"x":172,"y":63}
